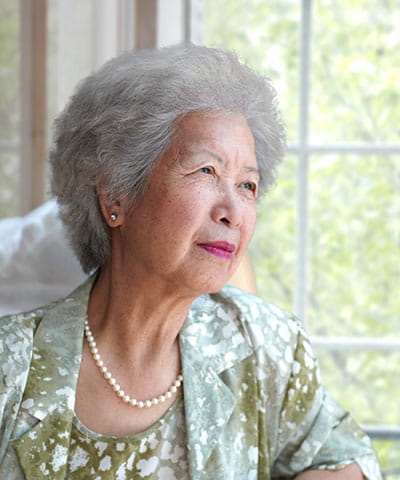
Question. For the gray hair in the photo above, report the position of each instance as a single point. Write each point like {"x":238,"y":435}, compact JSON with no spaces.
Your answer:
{"x":123,"y":117}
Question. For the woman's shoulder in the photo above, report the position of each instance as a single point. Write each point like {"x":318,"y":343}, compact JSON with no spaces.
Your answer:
{"x":263,"y":322}
{"x":21,"y":327}
{"x":18,"y":322}
{"x":16,"y":349}
{"x":17,"y":330}
{"x":254,"y":309}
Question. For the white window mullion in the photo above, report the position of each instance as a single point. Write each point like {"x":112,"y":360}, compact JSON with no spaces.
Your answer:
{"x":126,"y":25}
{"x":194,"y":21}
{"x":104,"y":31}
{"x":171,"y":22}
{"x":359,"y":344}
{"x":300,"y":300}
{"x":347,"y":148}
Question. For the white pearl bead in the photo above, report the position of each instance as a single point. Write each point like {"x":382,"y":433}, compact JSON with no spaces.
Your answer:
{"x":116,"y":387}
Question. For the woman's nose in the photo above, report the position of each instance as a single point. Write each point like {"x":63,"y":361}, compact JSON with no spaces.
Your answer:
{"x":228,"y":210}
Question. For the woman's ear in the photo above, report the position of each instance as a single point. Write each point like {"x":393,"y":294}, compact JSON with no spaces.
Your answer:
{"x":113,"y":213}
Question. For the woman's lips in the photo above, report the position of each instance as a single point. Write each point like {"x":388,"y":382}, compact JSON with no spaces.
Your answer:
{"x":219,"y":249}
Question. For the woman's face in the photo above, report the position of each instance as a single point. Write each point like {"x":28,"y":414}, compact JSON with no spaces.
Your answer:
{"x":193,"y":224}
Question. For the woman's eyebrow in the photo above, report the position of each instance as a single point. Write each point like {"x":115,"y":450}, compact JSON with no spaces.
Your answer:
{"x":248,"y":168}
{"x":252,"y":170}
{"x":208,"y":152}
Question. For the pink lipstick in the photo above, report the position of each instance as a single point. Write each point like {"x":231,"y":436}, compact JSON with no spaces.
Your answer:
{"x":219,"y":249}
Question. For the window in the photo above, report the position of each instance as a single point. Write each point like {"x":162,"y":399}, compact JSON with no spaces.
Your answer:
{"x":45,"y":49}
{"x":9,"y":107}
{"x":328,"y":236}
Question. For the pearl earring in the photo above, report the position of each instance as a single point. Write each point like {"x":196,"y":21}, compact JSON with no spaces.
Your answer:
{"x":113,"y":217}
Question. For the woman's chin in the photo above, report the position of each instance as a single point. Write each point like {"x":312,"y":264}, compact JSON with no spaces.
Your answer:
{"x":201,"y":284}
{"x":214,"y":284}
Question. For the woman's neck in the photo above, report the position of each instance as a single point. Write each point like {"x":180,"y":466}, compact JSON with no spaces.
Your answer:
{"x":137,"y":317}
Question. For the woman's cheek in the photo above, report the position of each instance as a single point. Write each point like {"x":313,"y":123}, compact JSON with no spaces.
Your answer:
{"x":250,"y":219}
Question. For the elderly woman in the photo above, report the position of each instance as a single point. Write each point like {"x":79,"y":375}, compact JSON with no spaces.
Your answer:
{"x":152,"y":368}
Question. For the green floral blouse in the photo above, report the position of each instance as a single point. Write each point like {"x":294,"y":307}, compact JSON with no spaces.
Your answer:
{"x":252,"y":408}
{"x":160,"y":452}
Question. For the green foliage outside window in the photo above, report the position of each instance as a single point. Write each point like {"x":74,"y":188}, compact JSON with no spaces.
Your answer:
{"x":9,"y":94}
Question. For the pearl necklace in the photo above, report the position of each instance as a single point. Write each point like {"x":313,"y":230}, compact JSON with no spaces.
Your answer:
{"x":117,"y":388}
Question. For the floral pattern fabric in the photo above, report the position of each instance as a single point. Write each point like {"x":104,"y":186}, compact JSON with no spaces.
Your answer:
{"x":159,"y":453}
{"x":253,"y":404}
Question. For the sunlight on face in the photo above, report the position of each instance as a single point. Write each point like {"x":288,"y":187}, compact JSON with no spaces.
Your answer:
{"x":192,"y":226}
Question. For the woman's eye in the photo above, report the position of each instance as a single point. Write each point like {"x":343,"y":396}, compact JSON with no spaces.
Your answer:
{"x":249,"y":186}
{"x":207,"y":170}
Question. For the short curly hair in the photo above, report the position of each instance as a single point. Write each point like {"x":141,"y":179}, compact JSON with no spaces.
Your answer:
{"x":123,"y":117}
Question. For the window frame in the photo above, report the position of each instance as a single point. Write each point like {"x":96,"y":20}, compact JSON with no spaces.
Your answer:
{"x":116,"y":27}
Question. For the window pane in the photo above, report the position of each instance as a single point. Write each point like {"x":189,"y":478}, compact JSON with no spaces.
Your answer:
{"x":362,"y":380}
{"x":273,"y":246}
{"x":9,"y":71}
{"x":265,"y":35}
{"x":9,"y":107}
{"x":355,"y":77}
{"x":388,"y":453}
{"x":354,"y":245}
{"x":70,"y":45}
{"x":9,"y":166}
